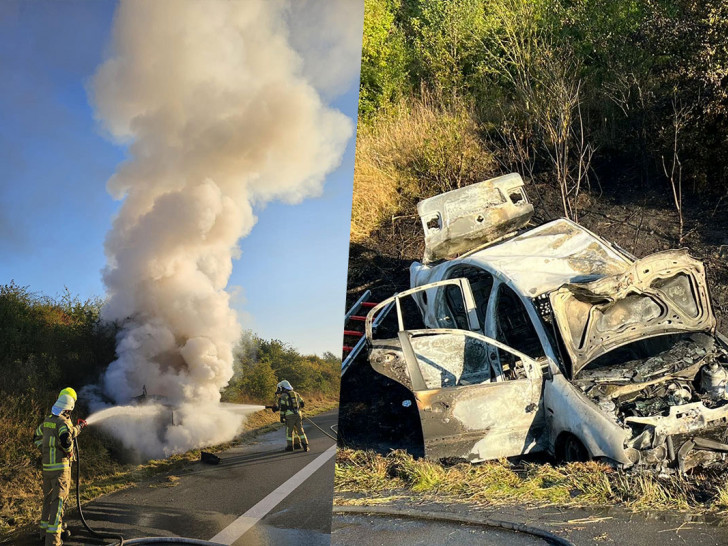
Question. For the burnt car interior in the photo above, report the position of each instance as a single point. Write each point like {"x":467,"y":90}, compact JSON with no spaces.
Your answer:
{"x":455,"y":359}
{"x":481,"y":283}
{"x":451,"y":357}
{"x":514,"y":325}
{"x":451,"y":313}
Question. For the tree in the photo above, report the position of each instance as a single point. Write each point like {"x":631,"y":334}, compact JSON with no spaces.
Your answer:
{"x":384,"y":57}
{"x":259,"y":382}
{"x":445,"y":42}
{"x":544,"y":75}
{"x":260,"y":364}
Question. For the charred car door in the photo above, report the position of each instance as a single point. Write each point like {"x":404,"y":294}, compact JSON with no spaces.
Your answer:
{"x":468,"y":407}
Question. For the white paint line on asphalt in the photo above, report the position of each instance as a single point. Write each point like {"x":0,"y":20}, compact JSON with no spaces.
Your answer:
{"x":237,"y":528}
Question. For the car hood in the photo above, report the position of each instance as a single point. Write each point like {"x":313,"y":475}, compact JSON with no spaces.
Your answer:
{"x":664,"y":293}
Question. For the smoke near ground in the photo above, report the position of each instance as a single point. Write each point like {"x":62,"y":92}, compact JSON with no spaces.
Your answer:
{"x":156,"y":430}
{"x":219,"y":112}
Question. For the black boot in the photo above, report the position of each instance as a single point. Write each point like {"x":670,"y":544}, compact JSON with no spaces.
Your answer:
{"x":305,"y":447}
{"x":289,"y":448}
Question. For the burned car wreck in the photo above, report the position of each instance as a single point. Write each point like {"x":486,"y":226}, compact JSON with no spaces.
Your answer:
{"x":552,"y":339}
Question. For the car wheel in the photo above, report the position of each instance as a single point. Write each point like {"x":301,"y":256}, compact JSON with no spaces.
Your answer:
{"x":573,"y":451}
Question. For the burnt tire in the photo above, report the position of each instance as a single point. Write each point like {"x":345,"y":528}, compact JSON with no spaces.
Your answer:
{"x":572,"y":450}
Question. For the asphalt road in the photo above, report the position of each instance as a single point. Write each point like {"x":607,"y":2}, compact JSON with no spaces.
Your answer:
{"x":207,"y":502}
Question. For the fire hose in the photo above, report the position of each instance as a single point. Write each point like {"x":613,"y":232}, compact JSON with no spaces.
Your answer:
{"x":322,"y":430}
{"x":118,"y":537}
{"x":275,"y":408}
{"x":385,"y":511}
{"x":99,"y":534}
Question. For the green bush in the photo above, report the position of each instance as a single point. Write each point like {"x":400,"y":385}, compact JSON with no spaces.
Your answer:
{"x":48,"y":344}
{"x":384,"y":58}
{"x":259,"y":381}
{"x":551,"y":82}
{"x":260,"y":364}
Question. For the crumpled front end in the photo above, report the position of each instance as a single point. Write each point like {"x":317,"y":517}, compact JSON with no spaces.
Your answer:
{"x":674,"y":404}
{"x":664,"y":293}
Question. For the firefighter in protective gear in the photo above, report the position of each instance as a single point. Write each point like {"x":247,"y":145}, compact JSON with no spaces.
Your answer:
{"x":54,"y":436}
{"x":291,"y":404}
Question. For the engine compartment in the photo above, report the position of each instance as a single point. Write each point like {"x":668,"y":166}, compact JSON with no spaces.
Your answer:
{"x":671,"y":392}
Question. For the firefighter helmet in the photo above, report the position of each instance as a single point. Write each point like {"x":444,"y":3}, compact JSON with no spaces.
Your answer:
{"x":64,"y":402}
{"x":69,"y":391}
{"x":284,"y":385}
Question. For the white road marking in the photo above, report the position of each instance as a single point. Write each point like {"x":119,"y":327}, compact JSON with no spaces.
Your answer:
{"x":237,"y":528}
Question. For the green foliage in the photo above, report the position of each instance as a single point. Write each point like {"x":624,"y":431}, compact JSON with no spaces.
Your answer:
{"x":259,"y":381}
{"x":260,"y":364}
{"x":384,"y":58}
{"x":446,"y":39}
{"x":551,"y":83}
{"x":46,"y":344}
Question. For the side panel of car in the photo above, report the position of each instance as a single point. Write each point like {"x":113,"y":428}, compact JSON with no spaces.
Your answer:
{"x":568,"y":411}
{"x":482,"y":422}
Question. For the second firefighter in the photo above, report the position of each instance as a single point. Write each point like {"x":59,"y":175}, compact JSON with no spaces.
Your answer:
{"x":291,"y":404}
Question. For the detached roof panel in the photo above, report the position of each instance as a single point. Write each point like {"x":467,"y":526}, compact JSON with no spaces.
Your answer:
{"x":461,"y":220}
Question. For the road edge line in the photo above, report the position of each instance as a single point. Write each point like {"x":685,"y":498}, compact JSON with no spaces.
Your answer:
{"x":241,"y":525}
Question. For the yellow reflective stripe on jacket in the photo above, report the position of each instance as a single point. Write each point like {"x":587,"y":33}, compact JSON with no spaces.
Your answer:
{"x":57,"y":466}
{"x":55,"y":457}
{"x":290,"y":403}
{"x":38,"y":436}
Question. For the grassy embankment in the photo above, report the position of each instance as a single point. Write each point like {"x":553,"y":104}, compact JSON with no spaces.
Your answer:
{"x":366,"y":478}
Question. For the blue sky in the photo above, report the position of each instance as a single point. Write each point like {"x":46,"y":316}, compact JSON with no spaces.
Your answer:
{"x":55,"y":211}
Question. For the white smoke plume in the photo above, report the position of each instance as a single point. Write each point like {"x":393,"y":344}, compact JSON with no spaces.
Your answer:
{"x":220,"y":112}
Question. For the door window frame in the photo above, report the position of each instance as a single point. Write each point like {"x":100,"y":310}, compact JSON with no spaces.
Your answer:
{"x":533,"y":368}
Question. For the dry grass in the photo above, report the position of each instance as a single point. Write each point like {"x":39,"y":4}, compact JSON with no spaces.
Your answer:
{"x":500,"y":483}
{"x":19,"y":473}
{"x":375,"y":189}
{"x":416,"y":150}
{"x":721,"y":497}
